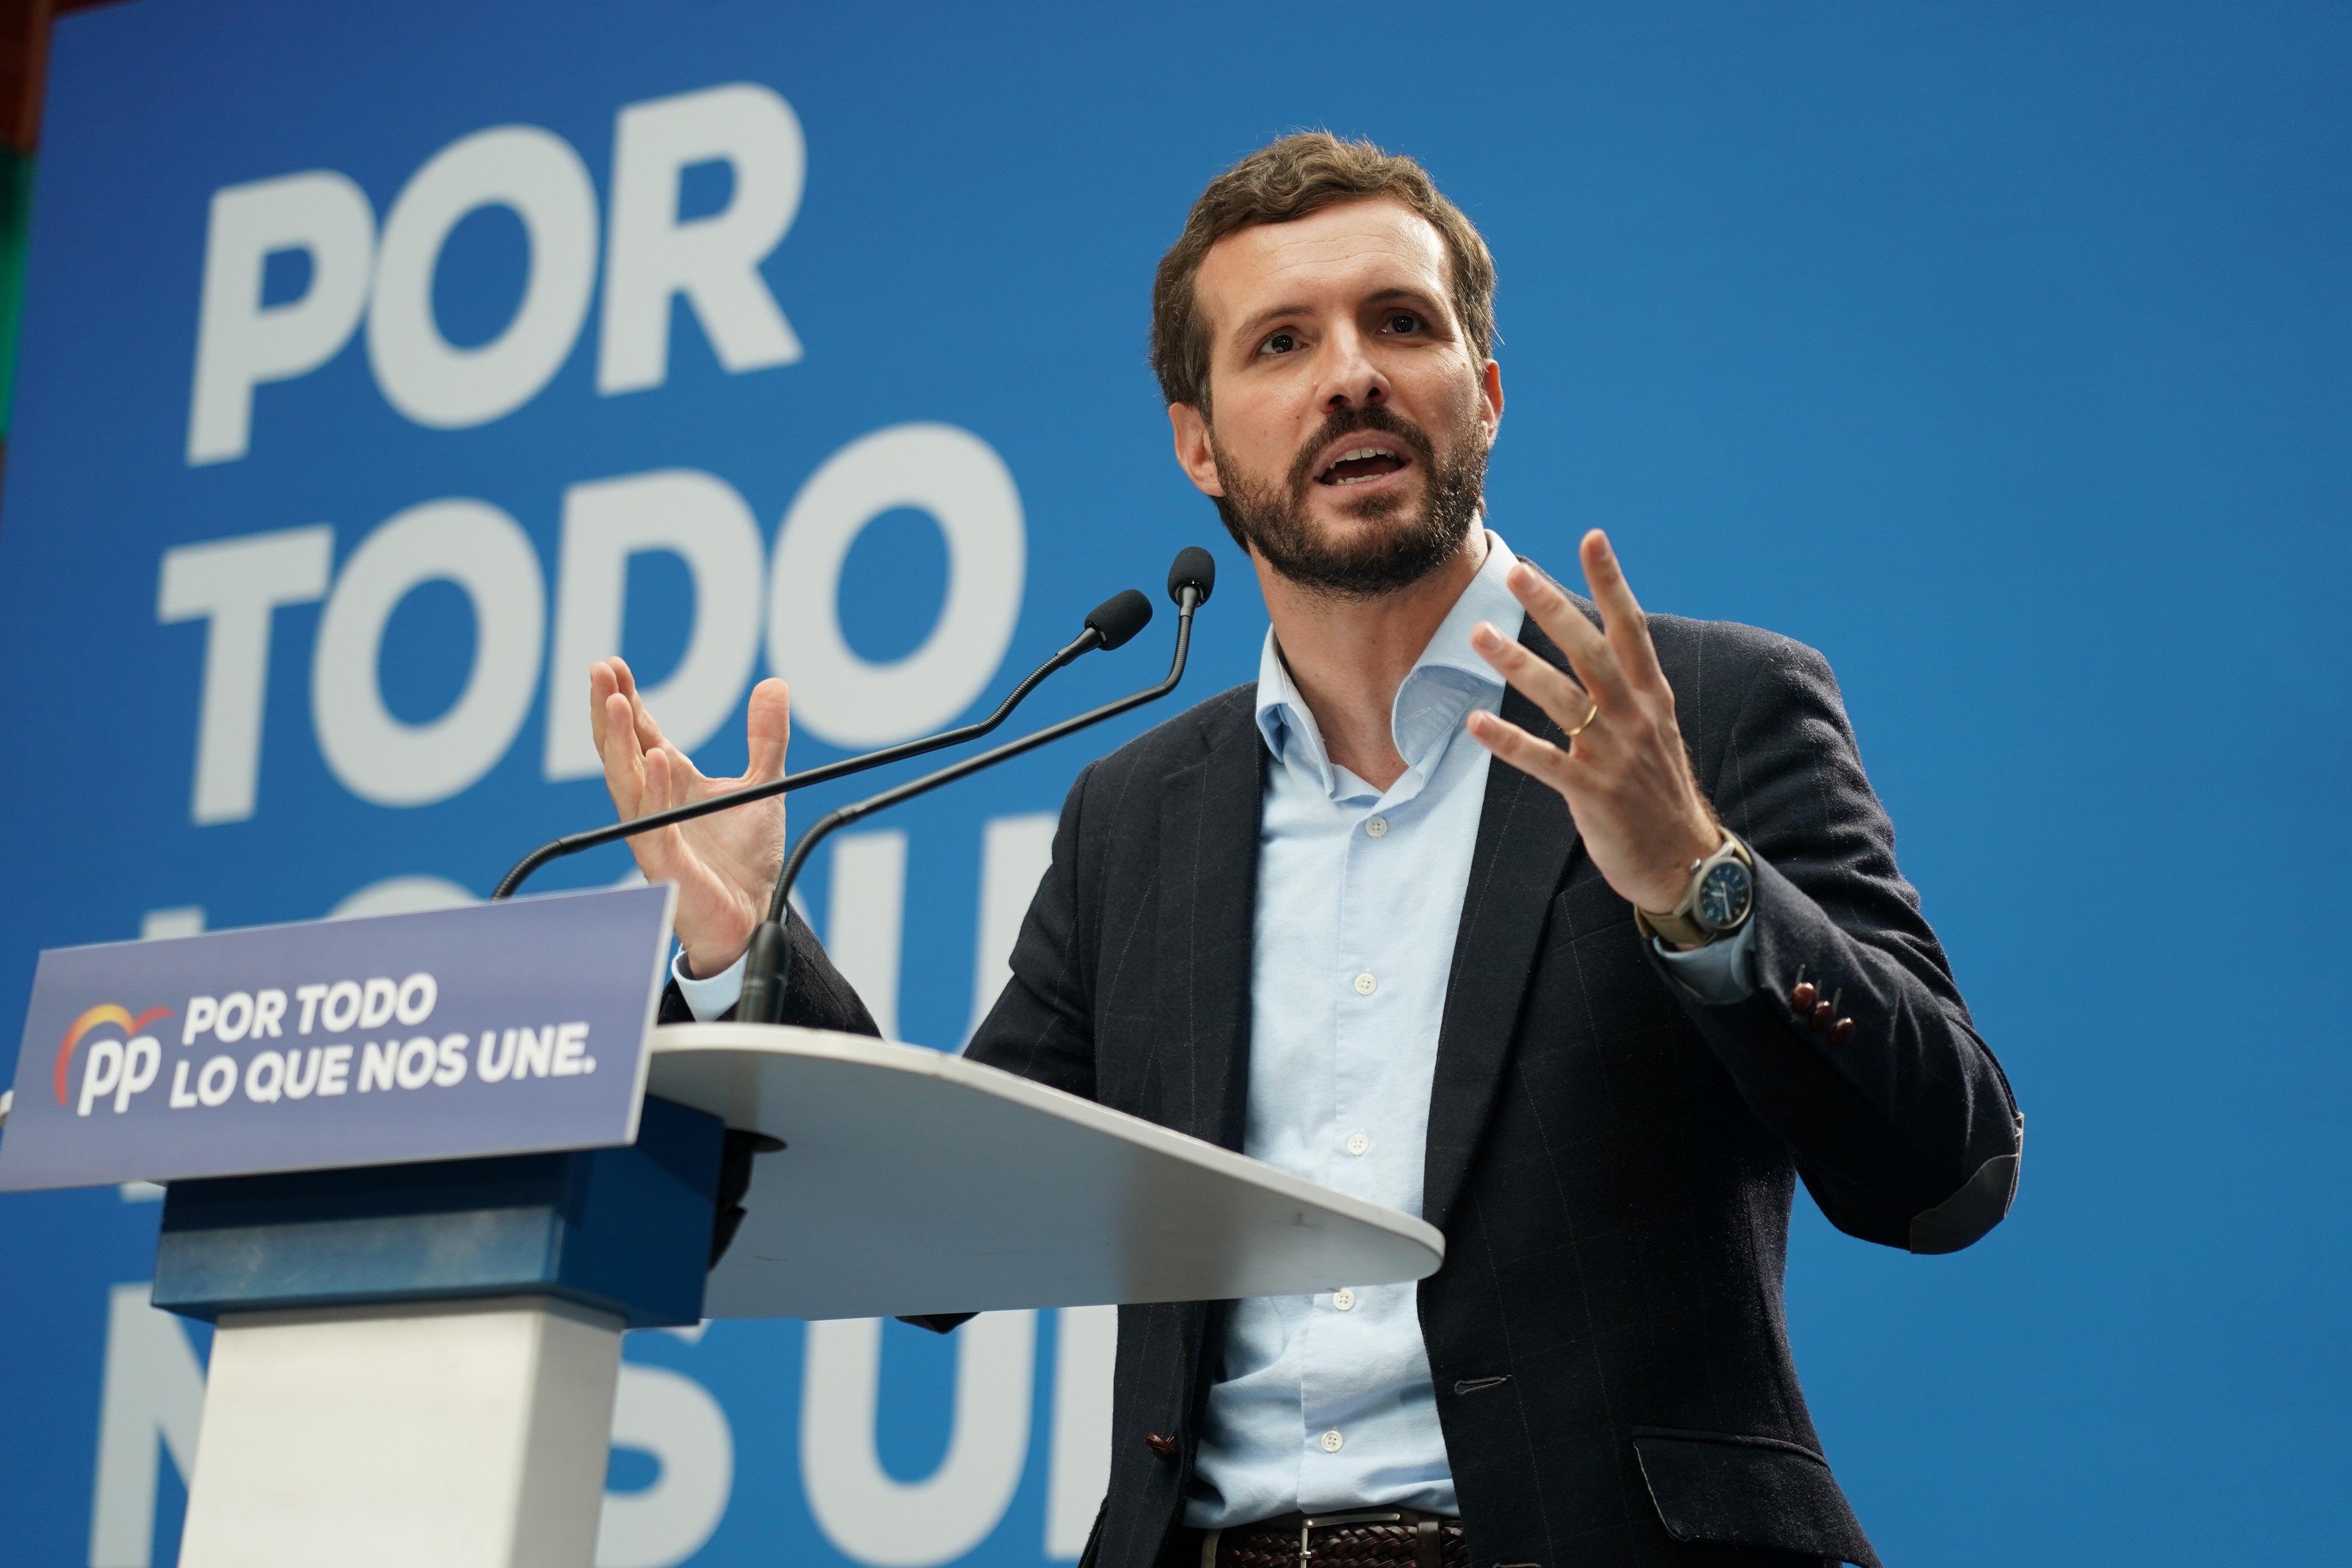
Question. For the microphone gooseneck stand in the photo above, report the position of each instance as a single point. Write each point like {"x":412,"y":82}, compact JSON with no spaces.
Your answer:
{"x":1110,"y":625}
{"x":1189,"y":582}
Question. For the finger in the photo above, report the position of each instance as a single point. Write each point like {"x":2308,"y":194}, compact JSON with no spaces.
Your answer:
{"x":1531,"y":754}
{"x":641,"y":718}
{"x":1627,"y":627}
{"x":662,"y":782}
{"x":649,"y":737}
{"x":1541,"y":682}
{"x":1588,"y":651}
{"x":602,"y":684}
{"x":656,"y":851}
{"x":768,"y":726}
{"x":624,"y":776}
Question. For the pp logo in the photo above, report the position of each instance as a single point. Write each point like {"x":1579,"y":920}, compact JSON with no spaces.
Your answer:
{"x":119,"y":1067}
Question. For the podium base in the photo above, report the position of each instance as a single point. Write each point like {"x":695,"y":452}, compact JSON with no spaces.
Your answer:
{"x":462,"y":1433}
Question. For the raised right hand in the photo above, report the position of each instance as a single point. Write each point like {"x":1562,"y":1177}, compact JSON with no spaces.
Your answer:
{"x":723,"y":864}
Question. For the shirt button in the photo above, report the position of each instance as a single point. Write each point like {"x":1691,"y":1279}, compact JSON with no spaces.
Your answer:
{"x":1358,"y":1142}
{"x":1366,"y":985}
{"x":1331,"y":1441}
{"x":1376,"y":825}
{"x":1344,"y":1299}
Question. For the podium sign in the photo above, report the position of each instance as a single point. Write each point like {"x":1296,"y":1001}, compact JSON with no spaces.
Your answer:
{"x":493,"y":1029}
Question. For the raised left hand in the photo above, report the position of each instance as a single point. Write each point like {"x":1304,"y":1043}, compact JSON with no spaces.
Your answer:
{"x":724,"y":863}
{"x":1626,"y":774}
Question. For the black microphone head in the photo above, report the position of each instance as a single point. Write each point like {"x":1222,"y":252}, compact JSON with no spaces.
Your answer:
{"x":1119,"y":617}
{"x":1195,"y":569}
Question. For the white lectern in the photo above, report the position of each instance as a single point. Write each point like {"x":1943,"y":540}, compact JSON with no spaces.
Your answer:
{"x":455,"y":1410}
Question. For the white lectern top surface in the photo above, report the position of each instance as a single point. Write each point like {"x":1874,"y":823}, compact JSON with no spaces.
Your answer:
{"x":913,"y":1182}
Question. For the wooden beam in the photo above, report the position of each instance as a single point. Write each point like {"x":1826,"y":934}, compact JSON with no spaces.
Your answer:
{"x":24,"y":66}
{"x":24,"y":60}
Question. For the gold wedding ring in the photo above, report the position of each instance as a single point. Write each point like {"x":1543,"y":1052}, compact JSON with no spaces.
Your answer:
{"x":1589,"y":718}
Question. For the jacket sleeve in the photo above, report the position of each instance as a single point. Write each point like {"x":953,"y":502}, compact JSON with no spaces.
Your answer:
{"x":1042,"y":1026}
{"x":1039,"y":1027}
{"x":815,"y":994}
{"x":1904,"y":1127}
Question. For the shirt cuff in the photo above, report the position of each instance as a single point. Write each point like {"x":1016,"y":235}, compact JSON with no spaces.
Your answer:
{"x":1719,"y":975}
{"x":709,"y":999}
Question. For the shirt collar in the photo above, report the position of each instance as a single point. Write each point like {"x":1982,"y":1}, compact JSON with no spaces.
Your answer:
{"x":1445,"y":682}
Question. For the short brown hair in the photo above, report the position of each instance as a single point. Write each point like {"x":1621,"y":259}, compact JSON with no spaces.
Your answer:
{"x":1301,"y":174}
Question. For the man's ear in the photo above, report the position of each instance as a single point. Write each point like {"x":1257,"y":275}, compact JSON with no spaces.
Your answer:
{"x":1193,"y":453}
{"x":1490,"y":388}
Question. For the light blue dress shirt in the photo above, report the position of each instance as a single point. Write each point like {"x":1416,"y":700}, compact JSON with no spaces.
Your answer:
{"x":1325,"y":1402}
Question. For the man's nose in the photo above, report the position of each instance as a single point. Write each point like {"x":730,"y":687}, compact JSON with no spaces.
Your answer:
{"x":1351,"y":378}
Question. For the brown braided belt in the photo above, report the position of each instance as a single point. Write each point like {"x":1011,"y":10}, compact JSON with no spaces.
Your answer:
{"x":1362,"y":1538}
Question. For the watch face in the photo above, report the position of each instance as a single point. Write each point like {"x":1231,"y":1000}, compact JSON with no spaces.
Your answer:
{"x":1724,"y":895}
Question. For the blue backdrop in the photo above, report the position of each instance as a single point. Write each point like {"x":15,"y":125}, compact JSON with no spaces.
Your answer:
{"x":2001,"y":353}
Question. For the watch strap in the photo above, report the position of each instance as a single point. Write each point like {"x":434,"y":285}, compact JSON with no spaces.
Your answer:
{"x":1680,"y":930}
{"x":1679,"y":925}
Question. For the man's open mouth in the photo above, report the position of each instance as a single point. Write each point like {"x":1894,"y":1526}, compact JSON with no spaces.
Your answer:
{"x":1361,"y":462}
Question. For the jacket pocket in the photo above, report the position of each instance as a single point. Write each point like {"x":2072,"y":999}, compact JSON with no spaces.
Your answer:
{"x":1733,"y":1490}
{"x":1588,"y":905}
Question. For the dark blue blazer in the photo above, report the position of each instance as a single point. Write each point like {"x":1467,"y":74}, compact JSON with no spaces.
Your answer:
{"x":1611,"y":1160}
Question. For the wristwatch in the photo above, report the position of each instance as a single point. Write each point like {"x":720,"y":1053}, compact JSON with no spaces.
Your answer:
{"x":1721,"y":894}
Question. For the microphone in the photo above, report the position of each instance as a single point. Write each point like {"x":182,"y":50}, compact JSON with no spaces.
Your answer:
{"x":1108,"y":625}
{"x":1194,"y":568}
{"x":1189,"y":582}
{"x":1118,"y":618}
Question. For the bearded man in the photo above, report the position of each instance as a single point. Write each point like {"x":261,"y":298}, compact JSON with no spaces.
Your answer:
{"x":1591,"y":1012}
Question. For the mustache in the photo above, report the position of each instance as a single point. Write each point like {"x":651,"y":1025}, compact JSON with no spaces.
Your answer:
{"x":1347,"y":422}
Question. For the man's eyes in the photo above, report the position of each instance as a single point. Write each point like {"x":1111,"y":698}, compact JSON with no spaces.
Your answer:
{"x":1396,"y":321}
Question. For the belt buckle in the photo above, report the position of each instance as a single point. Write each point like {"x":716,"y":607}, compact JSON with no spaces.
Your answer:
{"x":1307,"y":1527}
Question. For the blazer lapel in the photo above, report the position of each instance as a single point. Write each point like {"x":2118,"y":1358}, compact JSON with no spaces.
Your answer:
{"x":1525,"y":838}
{"x":1208,"y":901}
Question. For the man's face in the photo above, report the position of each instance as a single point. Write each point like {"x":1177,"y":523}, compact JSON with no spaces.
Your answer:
{"x":1350,"y":420}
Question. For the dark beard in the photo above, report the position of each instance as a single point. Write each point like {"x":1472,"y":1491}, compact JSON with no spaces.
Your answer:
{"x":1274,"y":520}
